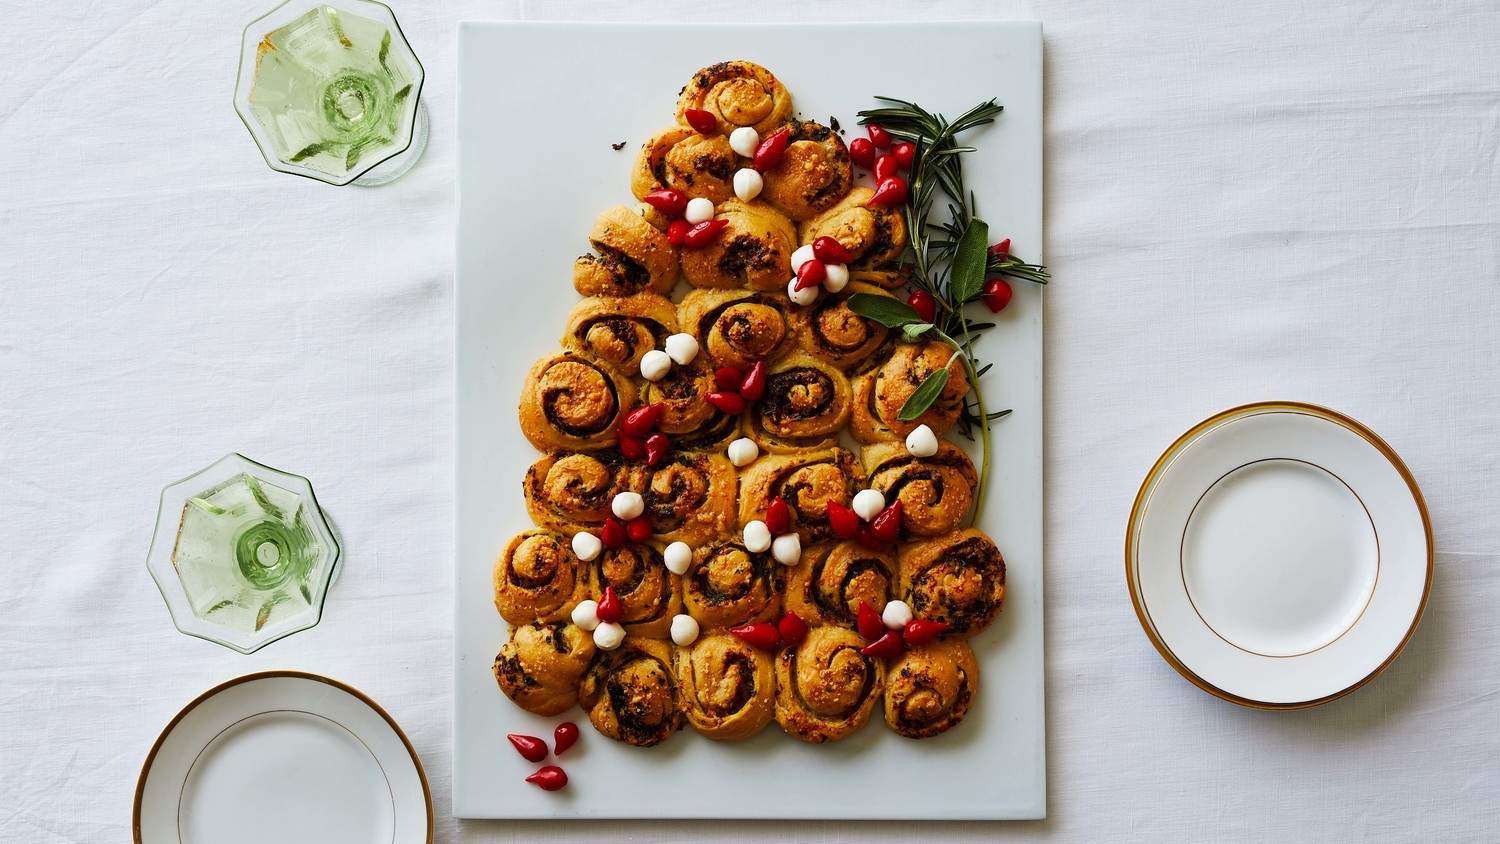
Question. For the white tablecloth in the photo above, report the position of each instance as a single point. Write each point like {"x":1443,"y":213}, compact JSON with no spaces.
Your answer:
{"x":1261,"y":200}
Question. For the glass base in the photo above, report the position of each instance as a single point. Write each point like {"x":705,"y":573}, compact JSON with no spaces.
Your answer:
{"x":397,"y":166}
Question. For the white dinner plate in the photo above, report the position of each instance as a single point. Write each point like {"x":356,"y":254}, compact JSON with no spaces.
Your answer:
{"x":1279,"y":555}
{"x":287,"y":757}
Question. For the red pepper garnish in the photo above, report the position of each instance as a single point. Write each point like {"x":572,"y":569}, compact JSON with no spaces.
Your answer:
{"x":639,"y":529}
{"x":704,"y":233}
{"x":869,"y":622}
{"x":754,"y":384}
{"x":906,"y":154}
{"x":639,"y":422}
{"x":1002,"y":248}
{"x":885,"y":167}
{"x":811,"y":274}
{"x":889,"y":192}
{"x":868,"y":540}
{"x":885,"y":647}
{"x":924,"y":303}
{"x":610,"y":609}
{"x":613,"y":532}
{"x":887,"y":523}
{"x":550,"y":778}
{"x":657,"y":446}
{"x":769,"y":153}
{"x":778,"y":516}
{"x":830,"y":251}
{"x":845,"y":522}
{"x":703,"y":122}
{"x":762,"y":637}
{"x":564,"y":737}
{"x":996,"y":294}
{"x":676,"y":231}
{"x":919,"y":632}
{"x":730,"y":403}
{"x":632,"y":447}
{"x":531,"y":748}
{"x":793,"y":630}
{"x":727,"y":378}
{"x":669,"y":201}
{"x":862,"y":152}
{"x":879,"y":136}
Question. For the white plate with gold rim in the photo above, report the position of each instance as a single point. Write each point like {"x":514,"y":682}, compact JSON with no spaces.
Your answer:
{"x":1279,"y":555}
{"x":282,"y":756}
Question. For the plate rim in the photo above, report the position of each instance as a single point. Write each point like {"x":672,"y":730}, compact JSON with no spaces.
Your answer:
{"x":1328,"y":414}
{"x":140,"y":784}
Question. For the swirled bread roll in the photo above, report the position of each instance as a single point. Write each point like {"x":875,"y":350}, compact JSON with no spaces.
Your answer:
{"x":649,"y":594}
{"x":727,"y":585}
{"x":542,"y":664}
{"x":832,"y":578}
{"x":874,"y":235}
{"x":828,"y":330}
{"x":958,"y":579}
{"x":630,"y":693}
{"x":879,"y":395}
{"x":929,"y":687}
{"x":690,"y":496}
{"x":538,"y":578}
{"x":691,"y":421}
{"x":619,"y":330}
{"x":631,"y":256}
{"x":728,"y":687}
{"x":754,"y":250}
{"x":806,"y":404}
{"x":698,"y":165}
{"x":813,"y":175}
{"x":806,"y":481}
{"x":570,"y":492}
{"x":935,"y":492}
{"x":825,"y":688}
{"x":736,"y":327}
{"x":572,"y":401}
{"x":737,"y":93}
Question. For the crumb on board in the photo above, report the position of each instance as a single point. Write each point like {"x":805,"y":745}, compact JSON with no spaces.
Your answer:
{"x":617,"y":147}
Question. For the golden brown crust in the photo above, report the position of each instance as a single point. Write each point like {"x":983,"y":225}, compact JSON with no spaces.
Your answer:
{"x":630,"y":693}
{"x":572,"y":401}
{"x":880,"y":394}
{"x":928,"y":688}
{"x":538,"y":578}
{"x":728,"y":687}
{"x":649,"y":594}
{"x":737,"y":327}
{"x":571,"y":491}
{"x":805,"y":405}
{"x":813,"y":175}
{"x":677,"y":157}
{"x":620,"y":330}
{"x":631,"y":256}
{"x":542,"y":664}
{"x":754,"y":250}
{"x":727,"y":586}
{"x":874,"y":235}
{"x":828,"y":330}
{"x":958,"y":579}
{"x":832,"y":578}
{"x":935,"y":492}
{"x":681,"y":393}
{"x":690,"y":496}
{"x":825,"y":688}
{"x":807,"y":481}
{"x":737,"y":93}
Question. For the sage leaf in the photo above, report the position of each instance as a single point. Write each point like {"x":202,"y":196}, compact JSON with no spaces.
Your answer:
{"x":912,"y":331}
{"x":969,"y":261}
{"x":926,"y":393}
{"x":883,"y":309}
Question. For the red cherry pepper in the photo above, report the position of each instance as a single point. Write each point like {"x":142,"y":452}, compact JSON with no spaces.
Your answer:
{"x":550,"y":778}
{"x":727,"y":378}
{"x":869,"y":622}
{"x":676,"y":231}
{"x":862,"y":152}
{"x":639,"y":529}
{"x":830,"y":251}
{"x":793,"y":630}
{"x":869,"y":541}
{"x":878,"y":135}
{"x":754,"y":384}
{"x":703,"y":122}
{"x":845,"y":522}
{"x":885,"y":167}
{"x":769,"y":153}
{"x":778,"y":516}
{"x":631,"y":447}
{"x":919,"y":632}
{"x":762,"y":637}
{"x":610,"y":609}
{"x":906,"y":154}
{"x":811,"y":274}
{"x":997,"y":294}
{"x":730,"y":403}
{"x":639,"y":422}
{"x":887,"y":523}
{"x":657,"y":445}
{"x":925,"y":304}
{"x":704,"y":233}
{"x":613,"y":533}
{"x":564,"y":737}
{"x":885,"y":647}
{"x":669,"y":201}
{"x":1002,"y":248}
{"x":531,"y":748}
{"x":889,"y":192}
